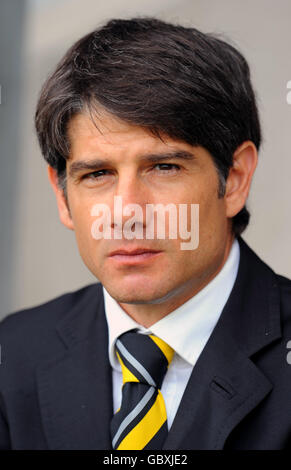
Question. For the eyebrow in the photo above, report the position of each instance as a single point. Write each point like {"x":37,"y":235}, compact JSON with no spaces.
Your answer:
{"x":96,"y":164}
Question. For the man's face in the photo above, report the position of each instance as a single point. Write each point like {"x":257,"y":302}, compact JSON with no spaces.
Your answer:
{"x":172,"y":273}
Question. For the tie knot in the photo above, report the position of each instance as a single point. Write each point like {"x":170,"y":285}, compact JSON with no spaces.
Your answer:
{"x":143,"y":358}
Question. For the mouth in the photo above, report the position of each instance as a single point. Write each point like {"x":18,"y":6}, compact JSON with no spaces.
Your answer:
{"x":136,"y":256}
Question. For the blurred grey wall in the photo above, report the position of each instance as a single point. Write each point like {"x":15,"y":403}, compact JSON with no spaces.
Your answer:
{"x":12,"y":18}
{"x":39,"y":257}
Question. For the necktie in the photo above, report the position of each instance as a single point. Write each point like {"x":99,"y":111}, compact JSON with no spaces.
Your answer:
{"x":141,"y":421}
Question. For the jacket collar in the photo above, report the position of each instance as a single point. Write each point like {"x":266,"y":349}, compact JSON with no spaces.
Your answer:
{"x":252,"y":313}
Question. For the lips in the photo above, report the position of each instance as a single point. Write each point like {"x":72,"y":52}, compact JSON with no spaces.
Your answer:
{"x":136,"y":251}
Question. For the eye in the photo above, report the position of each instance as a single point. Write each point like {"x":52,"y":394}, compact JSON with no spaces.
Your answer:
{"x":95,"y":174}
{"x":168,"y":167}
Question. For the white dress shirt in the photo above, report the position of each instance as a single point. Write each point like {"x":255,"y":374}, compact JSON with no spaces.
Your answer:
{"x":186,"y":329}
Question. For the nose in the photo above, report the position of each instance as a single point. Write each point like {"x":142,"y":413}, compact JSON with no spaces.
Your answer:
{"x":131,"y":188}
{"x":130,"y":198}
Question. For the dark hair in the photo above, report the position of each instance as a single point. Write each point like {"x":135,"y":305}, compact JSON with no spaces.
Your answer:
{"x":168,"y":78}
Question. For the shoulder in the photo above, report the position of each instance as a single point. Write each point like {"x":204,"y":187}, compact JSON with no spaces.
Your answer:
{"x":284,"y":285}
{"x":267,"y":286}
{"x":29,"y":335}
{"x":263,"y":270}
{"x":47,"y":313}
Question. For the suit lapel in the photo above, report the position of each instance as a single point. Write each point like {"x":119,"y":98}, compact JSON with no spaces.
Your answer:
{"x":75,"y":389}
{"x":223,"y":388}
{"x":225,"y":384}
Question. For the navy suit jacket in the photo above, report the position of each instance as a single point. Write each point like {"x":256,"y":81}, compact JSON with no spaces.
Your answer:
{"x":56,"y":385}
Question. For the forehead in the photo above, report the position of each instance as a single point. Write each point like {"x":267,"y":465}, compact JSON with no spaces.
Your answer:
{"x":106,"y":130}
{"x":110,"y":138}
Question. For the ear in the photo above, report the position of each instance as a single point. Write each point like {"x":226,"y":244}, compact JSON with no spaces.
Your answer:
{"x":63,"y":208}
{"x":245,"y":160}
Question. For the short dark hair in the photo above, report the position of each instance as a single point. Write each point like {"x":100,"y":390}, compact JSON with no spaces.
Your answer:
{"x":168,"y":78}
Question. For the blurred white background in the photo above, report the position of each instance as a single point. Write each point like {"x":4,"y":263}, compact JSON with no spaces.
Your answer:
{"x":39,"y":257}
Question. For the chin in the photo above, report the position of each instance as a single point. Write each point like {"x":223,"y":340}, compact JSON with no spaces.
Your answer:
{"x":138,"y":294}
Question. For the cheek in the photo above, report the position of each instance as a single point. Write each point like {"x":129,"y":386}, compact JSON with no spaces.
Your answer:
{"x":82,"y":219}
{"x":213,"y":223}
{"x":212,"y":219}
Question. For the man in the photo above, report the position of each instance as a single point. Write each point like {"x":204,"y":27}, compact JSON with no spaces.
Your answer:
{"x":174,"y":348}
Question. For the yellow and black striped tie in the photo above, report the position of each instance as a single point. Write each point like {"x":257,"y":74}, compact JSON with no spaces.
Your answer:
{"x":141,"y":421}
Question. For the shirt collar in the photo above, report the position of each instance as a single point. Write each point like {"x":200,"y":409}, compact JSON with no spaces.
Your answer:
{"x":187,"y":328}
